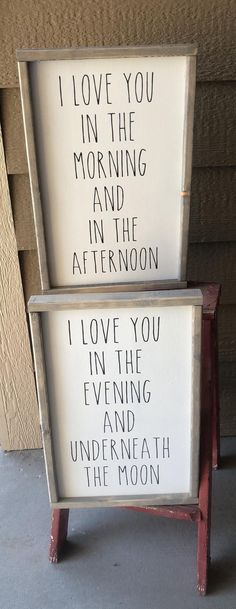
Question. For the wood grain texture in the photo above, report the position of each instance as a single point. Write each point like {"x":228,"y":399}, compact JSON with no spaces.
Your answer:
{"x":69,"y":23}
{"x":227,"y":334}
{"x":22,"y":212}
{"x":101,"y":52}
{"x":214,"y":262}
{"x":187,"y":162}
{"x":163,"y":298}
{"x":37,"y":340}
{"x":33,"y":173}
{"x":19,"y":423}
{"x":213,"y":209}
{"x":214,"y":140}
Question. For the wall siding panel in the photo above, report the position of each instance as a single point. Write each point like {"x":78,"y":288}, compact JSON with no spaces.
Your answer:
{"x":227,"y":333}
{"x":228,"y":398}
{"x":69,"y":23}
{"x":30,"y":273}
{"x":19,"y":421}
{"x":22,"y":212}
{"x":213,"y":208}
{"x":214,"y":262}
{"x":13,"y":131}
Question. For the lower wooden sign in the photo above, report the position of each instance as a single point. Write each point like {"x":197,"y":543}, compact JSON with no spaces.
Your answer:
{"x":118,"y":378}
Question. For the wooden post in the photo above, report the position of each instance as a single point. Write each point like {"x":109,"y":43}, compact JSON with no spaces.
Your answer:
{"x":211,"y":297}
{"x":59,"y":529}
{"x":204,"y":524}
{"x":216,"y":397}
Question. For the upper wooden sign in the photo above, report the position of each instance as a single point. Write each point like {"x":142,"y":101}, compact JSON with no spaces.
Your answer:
{"x":109,"y":145}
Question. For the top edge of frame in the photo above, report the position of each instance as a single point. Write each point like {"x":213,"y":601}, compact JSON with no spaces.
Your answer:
{"x":46,"y":302}
{"x":99,"y":52}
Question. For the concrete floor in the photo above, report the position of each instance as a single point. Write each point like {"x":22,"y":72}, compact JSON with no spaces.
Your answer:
{"x":114,"y":558}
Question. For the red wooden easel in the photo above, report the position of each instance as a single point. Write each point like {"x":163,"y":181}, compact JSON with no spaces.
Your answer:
{"x":209,"y":450}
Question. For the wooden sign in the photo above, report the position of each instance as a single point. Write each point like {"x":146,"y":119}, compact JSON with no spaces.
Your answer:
{"x":118,"y":381}
{"x":109,"y":145}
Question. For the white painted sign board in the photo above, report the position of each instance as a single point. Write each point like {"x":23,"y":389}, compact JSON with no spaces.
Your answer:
{"x":113,"y":137}
{"x":123,"y":381}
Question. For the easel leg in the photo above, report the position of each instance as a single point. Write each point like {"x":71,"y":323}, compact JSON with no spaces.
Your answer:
{"x":216,"y":405}
{"x":59,"y":529}
{"x":204,"y":525}
{"x":204,"y":531}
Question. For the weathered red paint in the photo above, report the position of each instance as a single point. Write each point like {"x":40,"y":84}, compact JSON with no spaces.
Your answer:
{"x":216,"y":398}
{"x":59,"y":528}
{"x":211,"y":297}
{"x":175,"y":512}
{"x":204,"y":500}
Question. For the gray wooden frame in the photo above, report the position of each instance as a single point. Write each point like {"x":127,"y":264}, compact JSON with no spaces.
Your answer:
{"x":44,"y":303}
{"x":24,"y":57}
